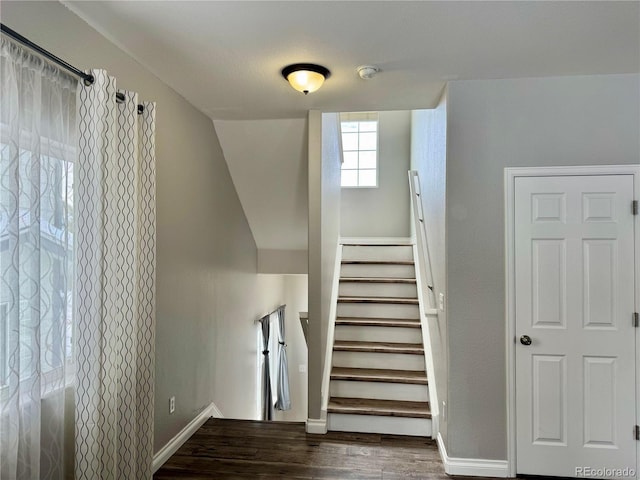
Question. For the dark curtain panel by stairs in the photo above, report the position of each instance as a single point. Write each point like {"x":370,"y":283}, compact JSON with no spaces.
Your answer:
{"x":267,"y":402}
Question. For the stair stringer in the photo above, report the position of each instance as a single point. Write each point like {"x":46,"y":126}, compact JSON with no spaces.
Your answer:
{"x":321,"y":425}
{"x":428,"y":317}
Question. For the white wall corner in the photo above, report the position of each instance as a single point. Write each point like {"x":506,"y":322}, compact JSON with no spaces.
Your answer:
{"x":317,"y":426}
{"x":472,"y":467}
{"x":183,"y":435}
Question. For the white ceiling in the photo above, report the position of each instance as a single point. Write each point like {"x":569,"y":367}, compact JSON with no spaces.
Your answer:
{"x":267,"y":161}
{"x":225,"y":56}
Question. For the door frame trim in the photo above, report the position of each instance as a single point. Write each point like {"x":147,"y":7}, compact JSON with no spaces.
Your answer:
{"x":510,"y":175}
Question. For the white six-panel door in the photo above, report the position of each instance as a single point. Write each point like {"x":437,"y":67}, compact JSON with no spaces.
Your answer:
{"x":574,"y":299}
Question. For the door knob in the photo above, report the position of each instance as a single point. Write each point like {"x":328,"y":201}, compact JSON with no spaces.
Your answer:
{"x":525,"y":340}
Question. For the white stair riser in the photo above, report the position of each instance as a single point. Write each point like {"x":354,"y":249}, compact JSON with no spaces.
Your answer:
{"x":380,"y":271}
{"x":339,"y":422}
{"x":393,"y":290}
{"x":378,"y":310}
{"x":380,"y":252}
{"x":393,"y":361}
{"x":378,"y":334}
{"x":379,"y":390}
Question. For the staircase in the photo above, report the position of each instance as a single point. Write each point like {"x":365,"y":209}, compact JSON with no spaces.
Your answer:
{"x":378,"y":382}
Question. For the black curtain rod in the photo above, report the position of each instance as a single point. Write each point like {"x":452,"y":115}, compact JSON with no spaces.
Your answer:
{"x":87,"y":78}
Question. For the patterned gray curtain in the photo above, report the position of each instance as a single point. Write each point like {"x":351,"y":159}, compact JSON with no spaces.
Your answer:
{"x":115,"y":279}
{"x":267,"y":402}
{"x":283,"y":401}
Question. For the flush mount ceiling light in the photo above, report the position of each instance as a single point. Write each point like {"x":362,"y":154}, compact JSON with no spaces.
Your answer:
{"x":305,"y":77}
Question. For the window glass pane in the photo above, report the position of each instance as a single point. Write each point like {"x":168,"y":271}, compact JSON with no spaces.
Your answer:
{"x":368,"y":159}
{"x":368,"y":141}
{"x":367,"y":178}
{"x":368,"y":126}
{"x":359,"y":149}
{"x":349,"y":127}
{"x":349,"y":141}
{"x":350,"y":160}
{"x":349,"y":178}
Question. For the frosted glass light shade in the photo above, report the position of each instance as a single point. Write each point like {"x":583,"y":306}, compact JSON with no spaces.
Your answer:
{"x":305,"y":81}
{"x":305,"y":77}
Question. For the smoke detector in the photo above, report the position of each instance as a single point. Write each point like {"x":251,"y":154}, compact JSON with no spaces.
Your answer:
{"x":367,"y":71}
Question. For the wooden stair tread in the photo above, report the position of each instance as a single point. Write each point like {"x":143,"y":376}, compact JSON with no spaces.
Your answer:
{"x":379,"y":375}
{"x":377,"y":262}
{"x":377,"y":244}
{"x":378,"y":347}
{"x":379,"y":322}
{"x":377,"y":280}
{"x":388,"y":408}
{"x":394,"y":300}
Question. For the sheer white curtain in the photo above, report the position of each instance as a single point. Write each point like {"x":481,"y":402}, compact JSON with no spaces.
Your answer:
{"x":38,"y":138}
{"x":115,"y":308}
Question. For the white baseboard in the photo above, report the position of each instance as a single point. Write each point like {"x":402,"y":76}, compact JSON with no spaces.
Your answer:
{"x":176,"y":442}
{"x":472,"y":467}
{"x":317,"y":426}
{"x":215,"y":411}
{"x":376,"y":240}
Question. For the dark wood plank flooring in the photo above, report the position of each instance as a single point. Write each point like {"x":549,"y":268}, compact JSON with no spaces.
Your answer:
{"x":240,"y":450}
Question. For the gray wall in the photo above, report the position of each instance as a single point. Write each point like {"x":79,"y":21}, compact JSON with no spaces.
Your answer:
{"x":206,"y":255}
{"x":383,"y":211}
{"x":493,"y":124}
{"x":324,"y":231}
{"x":429,"y":157}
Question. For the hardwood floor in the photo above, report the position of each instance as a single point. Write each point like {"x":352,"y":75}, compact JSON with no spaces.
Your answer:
{"x":240,"y":449}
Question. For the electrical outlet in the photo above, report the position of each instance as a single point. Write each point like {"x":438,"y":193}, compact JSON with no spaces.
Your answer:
{"x":302,"y":368}
{"x":172,"y":404}
{"x":441,"y":302}
{"x":444,"y":411}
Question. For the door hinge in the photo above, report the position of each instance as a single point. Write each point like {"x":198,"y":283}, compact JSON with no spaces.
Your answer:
{"x":636,"y":319}
{"x":634,"y":207}
{"x":637,"y":432}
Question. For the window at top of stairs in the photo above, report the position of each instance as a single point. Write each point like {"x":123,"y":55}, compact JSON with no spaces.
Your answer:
{"x":359,"y":149}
